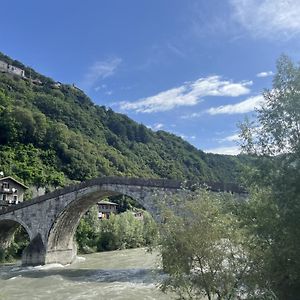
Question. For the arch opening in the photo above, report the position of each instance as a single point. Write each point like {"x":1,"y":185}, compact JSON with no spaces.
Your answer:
{"x":14,"y":238}
{"x":118,"y":222}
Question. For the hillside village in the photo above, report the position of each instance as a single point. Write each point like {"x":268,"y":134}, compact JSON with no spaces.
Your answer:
{"x":7,"y":68}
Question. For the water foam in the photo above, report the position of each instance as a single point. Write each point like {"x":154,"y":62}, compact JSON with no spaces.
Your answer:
{"x":79,"y":258}
{"x":48,"y":267}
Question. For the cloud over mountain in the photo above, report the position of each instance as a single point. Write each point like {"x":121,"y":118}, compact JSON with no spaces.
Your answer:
{"x":245,"y":106}
{"x":189,"y":94}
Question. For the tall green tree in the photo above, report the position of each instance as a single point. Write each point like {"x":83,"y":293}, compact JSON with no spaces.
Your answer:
{"x":272,"y":216}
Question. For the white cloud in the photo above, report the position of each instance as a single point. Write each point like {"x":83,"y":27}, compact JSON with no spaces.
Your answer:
{"x":156,"y":126}
{"x":188,"y":94}
{"x":101,"y":70}
{"x":175,"y":50}
{"x":231,"y":150}
{"x":230,"y":138}
{"x":268,"y":18}
{"x":245,"y":106}
{"x":193,"y":115}
{"x":100,"y":87}
{"x":265,"y":74}
{"x":187,"y":137}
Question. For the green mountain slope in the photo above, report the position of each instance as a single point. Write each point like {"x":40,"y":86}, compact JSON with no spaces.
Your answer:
{"x":51,"y":135}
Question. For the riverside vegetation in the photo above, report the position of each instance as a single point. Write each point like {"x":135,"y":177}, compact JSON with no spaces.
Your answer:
{"x":121,"y":231}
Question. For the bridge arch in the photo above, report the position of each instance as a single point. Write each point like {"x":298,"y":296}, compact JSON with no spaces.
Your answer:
{"x":36,"y":247}
{"x":61,"y":246}
{"x":8,"y":229}
{"x":8,"y":226}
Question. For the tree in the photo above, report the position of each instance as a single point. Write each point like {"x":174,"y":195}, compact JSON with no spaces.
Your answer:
{"x":124,"y":231}
{"x":4,"y":100}
{"x":204,"y":250}
{"x":272,"y":216}
{"x":88,"y":230}
{"x":277,"y":129}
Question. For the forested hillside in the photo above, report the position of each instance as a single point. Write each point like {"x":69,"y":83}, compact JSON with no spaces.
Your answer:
{"x":53,"y":134}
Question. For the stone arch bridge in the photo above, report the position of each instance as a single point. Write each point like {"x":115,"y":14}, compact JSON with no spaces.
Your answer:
{"x":51,"y":220}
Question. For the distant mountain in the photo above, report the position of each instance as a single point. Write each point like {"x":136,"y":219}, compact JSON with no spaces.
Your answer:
{"x":52,"y":133}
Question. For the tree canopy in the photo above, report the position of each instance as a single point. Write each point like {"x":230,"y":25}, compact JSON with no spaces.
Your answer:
{"x":272,"y":215}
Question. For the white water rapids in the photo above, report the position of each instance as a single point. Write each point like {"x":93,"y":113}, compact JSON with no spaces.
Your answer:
{"x":127,"y":274}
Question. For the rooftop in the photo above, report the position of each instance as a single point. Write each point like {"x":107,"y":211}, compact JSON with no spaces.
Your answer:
{"x":13,"y":179}
{"x":107,"y":202}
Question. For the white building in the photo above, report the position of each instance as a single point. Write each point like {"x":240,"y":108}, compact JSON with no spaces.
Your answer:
{"x":7,"y":68}
{"x":11,"y":191}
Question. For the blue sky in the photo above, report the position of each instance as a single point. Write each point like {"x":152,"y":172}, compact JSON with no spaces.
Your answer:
{"x":191,"y":67}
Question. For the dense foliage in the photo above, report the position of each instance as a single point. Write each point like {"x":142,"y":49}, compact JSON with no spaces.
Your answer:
{"x":51,"y":135}
{"x":203,"y":249}
{"x":17,"y":245}
{"x":120,"y":231}
{"x":273,"y":214}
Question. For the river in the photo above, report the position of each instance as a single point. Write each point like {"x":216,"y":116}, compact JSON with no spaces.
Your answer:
{"x":127,"y":274}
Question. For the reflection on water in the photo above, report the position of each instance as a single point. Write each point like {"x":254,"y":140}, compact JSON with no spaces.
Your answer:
{"x":127,"y":274}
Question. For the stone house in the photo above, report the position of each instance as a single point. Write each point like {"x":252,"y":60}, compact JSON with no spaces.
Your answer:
{"x":7,"y":68}
{"x":3,"y":66}
{"x":11,"y":191}
{"x":106,"y":208}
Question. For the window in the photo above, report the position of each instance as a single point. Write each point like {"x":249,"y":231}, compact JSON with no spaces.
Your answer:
{"x":5,"y":185}
{"x":4,"y":197}
{"x":16,"y":199}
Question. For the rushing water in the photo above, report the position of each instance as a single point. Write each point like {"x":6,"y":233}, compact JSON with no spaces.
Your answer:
{"x":127,"y":274}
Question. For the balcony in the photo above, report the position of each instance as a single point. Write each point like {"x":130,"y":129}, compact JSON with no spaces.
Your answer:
{"x":6,"y":190}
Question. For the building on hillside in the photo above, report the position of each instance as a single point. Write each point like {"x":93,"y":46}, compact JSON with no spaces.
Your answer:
{"x":73,"y":86}
{"x":139,"y":215}
{"x":36,"y":81}
{"x":57,"y":85}
{"x":7,"y":68}
{"x":106,"y":208}
{"x":11,"y":191}
{"x":3,"y":66}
